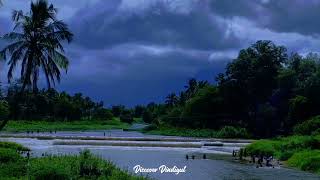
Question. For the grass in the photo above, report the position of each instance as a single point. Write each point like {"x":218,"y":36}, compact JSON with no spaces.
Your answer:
{"x":138,"y":120}
{"x":306,"y":161}
{"x":84,"y":166}
{"x":301,"y":152}
{"x":226,"y":132}
{"x":45,"y":126}
{"x":13,"y":146}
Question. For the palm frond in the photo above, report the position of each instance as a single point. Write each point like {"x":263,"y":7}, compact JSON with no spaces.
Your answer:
{"x":17,"y":15}
{"x":37,"y":44}
{"x":13,"y":36}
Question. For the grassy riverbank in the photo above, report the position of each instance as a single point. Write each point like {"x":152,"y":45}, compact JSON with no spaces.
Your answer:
{"x":302,"y":152}
{"x":84,"y":166}
{"x":226,"y":132}
{"x":46,"y":126}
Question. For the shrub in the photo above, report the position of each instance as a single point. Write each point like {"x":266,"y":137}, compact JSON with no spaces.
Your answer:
{"x":299,"y":108}
{"x":51,"y":168}
{"x":233,"y":132}
{"x":14,"y":146}
{"x":89,"y":165}
{"x":306,"y":160}
{"x":85,"y":166}
{"x":49,"y":172}
{"x":263,"y":147}
{"x":9,"y":155}
{"x":126,"y":117}
{"x":103,"y":114}
{"x":308,"y":127}
{"x":4,"y":109}
{"x":299,"y":143}
{"x":147,"y":116}
{"x":284,"y":148}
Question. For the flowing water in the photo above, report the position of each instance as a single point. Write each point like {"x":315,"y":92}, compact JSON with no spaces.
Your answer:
{"x":130,"y":155}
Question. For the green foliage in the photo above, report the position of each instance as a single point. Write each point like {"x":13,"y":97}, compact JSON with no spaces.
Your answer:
{"x":126,"y":117}
{"x":299,"y":108}
{"x":233,"y":132}
{"x":46,"y":126}
{"x":263,"y":147}
{"x":13,"y":146}
{"x":201,"y":110}
{"x":9,"y":155}
{"x":283,"y":148}
{"x":50,"y":105}
{"x":117,"y":110}
{"x":103,"y":114}
{"x":306,"y":160}
{"x":12,"y":165}
{"x":49,"y":169}
{"x":37,"y":29}
{"x":4,"y":109}
{"x":84,"y":166}
{"x":299,"y":143}
{"x":227,"y":132}
{"x":308,"y":127}
{"x":138,"y":111}
{"x":147,"y":116}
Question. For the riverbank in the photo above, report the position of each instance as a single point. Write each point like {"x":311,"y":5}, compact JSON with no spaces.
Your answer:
{"x":47,"y":126}
{"x":301,"y":152}
{"x":218,"y":163}
{"x":84,"y":166}
{"x":226,"y":132}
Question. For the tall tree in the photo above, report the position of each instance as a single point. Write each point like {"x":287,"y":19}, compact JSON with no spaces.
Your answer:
{"x":191,"y":88}
{"x":171,"y":100}
{"x":36,"y":44}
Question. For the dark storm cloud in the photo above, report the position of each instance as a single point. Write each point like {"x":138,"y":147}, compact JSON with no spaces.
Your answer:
{"x":137,"y":51}
{"x":158,"y":24}
{"x":297,"y":16}
{"x":136,"y":76}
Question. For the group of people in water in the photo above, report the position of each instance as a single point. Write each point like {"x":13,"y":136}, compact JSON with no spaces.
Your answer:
{"x":261,"y":158}
{"x":204,"y":156}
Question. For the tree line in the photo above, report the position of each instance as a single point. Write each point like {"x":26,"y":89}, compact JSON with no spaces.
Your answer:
{"x":50,"y":105}
{"x":264,"y":90}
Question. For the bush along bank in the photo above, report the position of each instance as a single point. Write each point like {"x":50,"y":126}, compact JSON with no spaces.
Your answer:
{"x":301,"y":152}
{"x":85,"y":166}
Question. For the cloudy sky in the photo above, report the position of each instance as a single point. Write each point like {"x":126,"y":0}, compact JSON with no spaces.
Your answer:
{"x":136,"y":51}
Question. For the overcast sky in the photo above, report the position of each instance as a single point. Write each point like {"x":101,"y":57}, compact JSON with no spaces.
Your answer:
{"x":136,"y":51}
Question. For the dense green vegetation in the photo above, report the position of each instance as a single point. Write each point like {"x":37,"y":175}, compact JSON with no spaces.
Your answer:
{"x":51,"y":105}
{"x":299,"y":151}
{"x":263,"y":90}
{"x":306,"y":161}
{"x":225,"y":132}
{"x":14,"y":146}
{"x":288,"y":96}
{"x":48,"y":126}
{"x":83,"y":166}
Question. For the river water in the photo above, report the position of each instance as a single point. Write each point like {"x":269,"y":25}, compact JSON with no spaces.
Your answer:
{"x":126,"y":157}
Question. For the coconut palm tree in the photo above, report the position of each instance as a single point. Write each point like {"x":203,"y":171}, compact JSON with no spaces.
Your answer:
{"x":191,"y":88}
{"x":36,"y":45}
{"x":171,"y":99}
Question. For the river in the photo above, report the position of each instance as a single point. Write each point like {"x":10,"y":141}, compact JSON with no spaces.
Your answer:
{"x":151,"y":151}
